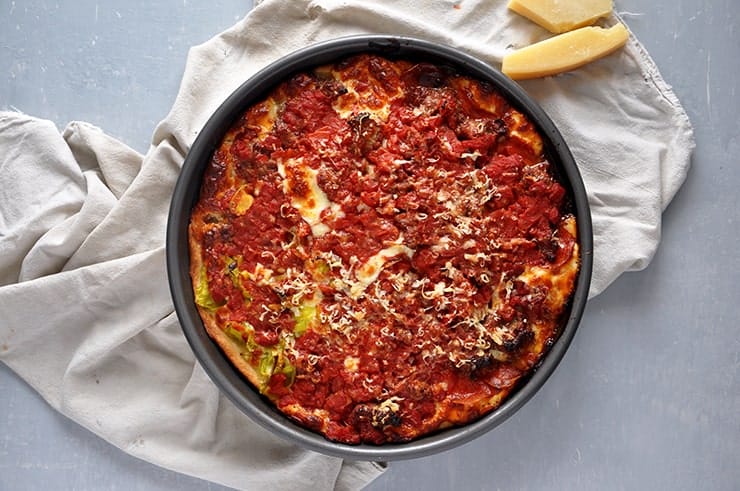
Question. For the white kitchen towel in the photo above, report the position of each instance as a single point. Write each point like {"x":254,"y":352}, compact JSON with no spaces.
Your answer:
{"x":85,"y":313}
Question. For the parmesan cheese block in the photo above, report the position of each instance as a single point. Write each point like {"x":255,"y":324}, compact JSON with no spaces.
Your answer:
{"x":564,"y":52}
{"x":562,"y":15}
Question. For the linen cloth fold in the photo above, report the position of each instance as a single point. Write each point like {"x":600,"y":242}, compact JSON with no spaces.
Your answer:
{"x":85,"y":312}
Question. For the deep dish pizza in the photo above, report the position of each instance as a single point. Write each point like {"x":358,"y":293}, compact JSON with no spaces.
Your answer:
{"x":382,"y":249}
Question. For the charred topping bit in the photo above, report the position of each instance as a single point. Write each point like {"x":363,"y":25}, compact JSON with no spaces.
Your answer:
{"x":386,"y":413}
{"x":212,"y":218}
{"x":333,"y":88}
{"x":387,"y":246}
{"x":366,"y":132}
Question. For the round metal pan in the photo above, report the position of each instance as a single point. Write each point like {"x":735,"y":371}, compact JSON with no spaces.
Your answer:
{"x":187,"y":189}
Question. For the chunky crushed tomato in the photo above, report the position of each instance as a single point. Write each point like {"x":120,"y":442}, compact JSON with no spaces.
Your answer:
{"x":397,"y":210}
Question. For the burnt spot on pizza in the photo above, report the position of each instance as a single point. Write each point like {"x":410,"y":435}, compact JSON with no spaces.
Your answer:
{"x":480,"y":366}
{"x":333,"y":88}
{"x":366,"y":132}
{"x":361,"y":418}
{"x":383,"y":418}
{"x":549,"y":249}
{"x":517,"y":338}
{"x":480,"y":362}
{"x":428,"y":75}
{"x":225,"y":234}
{"x":212,"y":218}
{"x":372,"y":419}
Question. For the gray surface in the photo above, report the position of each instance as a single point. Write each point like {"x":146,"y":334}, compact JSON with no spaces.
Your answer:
{"x":647,"y":398}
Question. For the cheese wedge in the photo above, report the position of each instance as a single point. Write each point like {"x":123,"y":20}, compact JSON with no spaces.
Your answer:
{"x":564,"y":52}
{"x":562,"y":15}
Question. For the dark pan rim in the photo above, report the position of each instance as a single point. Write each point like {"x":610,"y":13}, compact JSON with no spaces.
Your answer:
{"x":187,"y":189}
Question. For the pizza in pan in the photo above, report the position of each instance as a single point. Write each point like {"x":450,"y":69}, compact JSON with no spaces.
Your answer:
{"x":382,"y":249}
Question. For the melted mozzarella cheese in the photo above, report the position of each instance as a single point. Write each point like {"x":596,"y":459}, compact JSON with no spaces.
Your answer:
{"x":559,"y":280}
{"x":521,"y":129}
{"x":310,"y":206}
{"x":267,"y":121}
{"x":370,"y":269}
{"x":355,"y":102}
{"x":352,"y":363}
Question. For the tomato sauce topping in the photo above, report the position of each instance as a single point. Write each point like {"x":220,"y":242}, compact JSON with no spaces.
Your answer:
{"x":383,"y":236}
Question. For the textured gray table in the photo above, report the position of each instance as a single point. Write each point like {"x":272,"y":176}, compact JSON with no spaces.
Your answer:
{"x":647,"y":398}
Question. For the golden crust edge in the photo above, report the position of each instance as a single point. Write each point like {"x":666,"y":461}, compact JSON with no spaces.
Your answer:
{"x":231,"y":349}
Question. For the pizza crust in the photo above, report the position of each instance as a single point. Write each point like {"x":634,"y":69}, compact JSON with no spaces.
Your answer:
{"x":231,"y":348}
